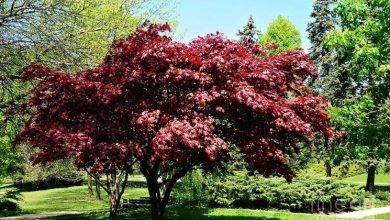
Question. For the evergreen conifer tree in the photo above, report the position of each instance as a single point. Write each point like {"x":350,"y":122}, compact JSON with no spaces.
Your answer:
{"x":249,"y":33}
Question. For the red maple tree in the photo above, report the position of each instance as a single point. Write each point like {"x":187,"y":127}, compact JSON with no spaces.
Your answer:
{"x":171,"y":107}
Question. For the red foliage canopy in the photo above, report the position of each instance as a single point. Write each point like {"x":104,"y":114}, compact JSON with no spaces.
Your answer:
{"x":179,"y":105}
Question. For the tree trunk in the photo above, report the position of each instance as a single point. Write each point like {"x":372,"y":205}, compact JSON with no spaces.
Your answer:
{"x":113,"y":205}
{"x":328,"y":168}
{"x":97,"y":189}
{"x":155,"y":197}
{"x":371,"y":171}
{"x":114,"y":187}
{"x":157,"y":210}
{"x":328,"y":165}
{"x":90,"y":187}
{"x":159,"y":200}
{"x":114,"y":195}
{"x":371,"y":177}
{"x":116,"y":191}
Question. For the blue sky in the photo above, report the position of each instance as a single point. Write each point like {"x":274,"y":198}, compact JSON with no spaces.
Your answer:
{"x":200,"y":17}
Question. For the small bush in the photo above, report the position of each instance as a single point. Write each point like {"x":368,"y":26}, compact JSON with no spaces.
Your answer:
{"x":9,"y":201}
{"x":355,"y":169}
{"x":191,"y":190}
{"x":383,"y":195}
{"x":306,"y":193}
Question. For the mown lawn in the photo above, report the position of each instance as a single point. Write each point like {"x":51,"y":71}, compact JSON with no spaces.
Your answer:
{"x":75,"y":198}
{"x":382,"y":217}
{"x":380,"y":179}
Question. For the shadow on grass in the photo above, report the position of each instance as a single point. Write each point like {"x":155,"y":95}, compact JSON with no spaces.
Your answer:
{"x":171,"y":214}
{"x":382,"y":188}
{"x":14,"y":213}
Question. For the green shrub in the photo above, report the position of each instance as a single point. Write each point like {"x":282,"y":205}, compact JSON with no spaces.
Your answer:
{"x":303,"y":194}
{"x":59,"y":173}
{"x":9,"y":201}
{"x":339,"y":172}
{"x":383,"y":166}
{"x":354,"y":170}
{"x":191,"y":190}
{"x":383,"y":195}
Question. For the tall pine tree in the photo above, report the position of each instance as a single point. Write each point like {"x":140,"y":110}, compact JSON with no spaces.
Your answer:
{"x":249,"y":33}
{"x":334,"y":82}
{"x":323,"y":21}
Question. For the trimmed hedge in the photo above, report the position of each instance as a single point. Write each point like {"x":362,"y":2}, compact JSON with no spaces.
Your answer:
{"x":305,"y":193}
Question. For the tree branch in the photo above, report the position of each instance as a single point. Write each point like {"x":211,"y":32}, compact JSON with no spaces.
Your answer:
{"x":96,"y":179}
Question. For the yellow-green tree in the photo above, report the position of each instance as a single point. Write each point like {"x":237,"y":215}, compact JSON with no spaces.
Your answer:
{"x":283,"y":33}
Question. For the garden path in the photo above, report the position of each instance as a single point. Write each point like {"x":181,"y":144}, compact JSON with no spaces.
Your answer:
{"x":40,"y":216}
{"x":364,"y":213}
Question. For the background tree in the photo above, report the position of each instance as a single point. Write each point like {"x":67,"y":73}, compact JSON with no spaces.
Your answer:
{"x":362,"y":45}
{"x":249,"y":33}
{"x":105,"y":117}
{"x":70,"y":35}
{"x":323,"y":22}
{"x":10,"y":160}
{"x":284,"y":34}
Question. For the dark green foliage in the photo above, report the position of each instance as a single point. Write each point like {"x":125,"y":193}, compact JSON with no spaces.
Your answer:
{"x":9,"y":201}
{"x":383,"y":195}
{"x":241,"y":190}
{"x":334,"y":81}
{"x":59,"y":173}
{"x":323,"y":22}
{"x":331,"y":82}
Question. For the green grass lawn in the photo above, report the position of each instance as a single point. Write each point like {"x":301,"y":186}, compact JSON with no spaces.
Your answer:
{"x":380,"y":179}
{"x":74,"y":198}
{"x":77,"y":198}
{"x":382,"y":217}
